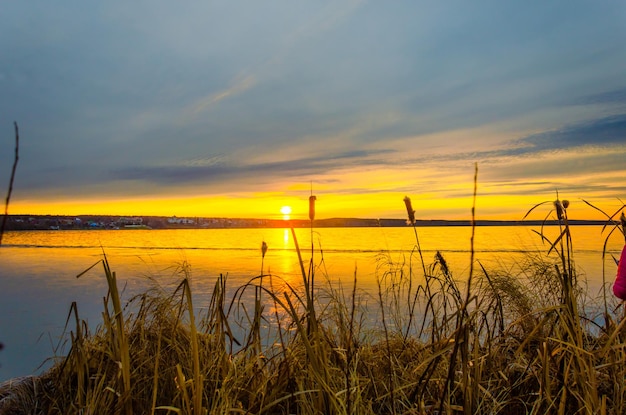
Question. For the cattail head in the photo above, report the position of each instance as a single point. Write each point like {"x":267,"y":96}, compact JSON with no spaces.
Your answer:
{"x":409,"y":210}
{"x":312,"y":207}
{"x":263,"y":249}
{"x":559,"y":209}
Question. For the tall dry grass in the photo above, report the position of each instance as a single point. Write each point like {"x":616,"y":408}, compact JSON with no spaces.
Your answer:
{"x":512,"y":341}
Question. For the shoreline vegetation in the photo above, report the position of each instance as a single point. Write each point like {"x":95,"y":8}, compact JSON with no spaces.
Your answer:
{"x":527,"y":339}
{"x":55,"y":222}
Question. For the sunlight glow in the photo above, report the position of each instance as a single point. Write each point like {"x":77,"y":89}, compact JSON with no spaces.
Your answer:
{"x":286,"y":211}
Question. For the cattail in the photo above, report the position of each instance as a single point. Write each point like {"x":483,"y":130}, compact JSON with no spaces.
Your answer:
{"x":409,"y":210}
{"x":559,"y":209}
{"x":263,"y":249}
{"x":565,"y":204}
{"x":312,"y":200}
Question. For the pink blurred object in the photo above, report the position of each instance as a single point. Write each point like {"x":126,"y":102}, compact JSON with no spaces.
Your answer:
{"x":619,"y":287}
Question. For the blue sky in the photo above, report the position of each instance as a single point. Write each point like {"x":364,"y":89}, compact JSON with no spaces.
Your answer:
{"x":147,"y":102}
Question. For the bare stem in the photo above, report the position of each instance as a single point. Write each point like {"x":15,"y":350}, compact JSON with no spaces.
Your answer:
{"x":15,"y":160}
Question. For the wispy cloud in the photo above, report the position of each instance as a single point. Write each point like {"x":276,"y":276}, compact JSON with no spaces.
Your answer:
{"x":203,"y":104}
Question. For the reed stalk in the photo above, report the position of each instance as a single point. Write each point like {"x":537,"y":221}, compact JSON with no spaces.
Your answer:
{"x":16,"y":158}
{"x":197,"y":386}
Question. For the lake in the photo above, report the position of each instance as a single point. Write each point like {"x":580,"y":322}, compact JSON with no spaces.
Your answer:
{"x":38,"y":269}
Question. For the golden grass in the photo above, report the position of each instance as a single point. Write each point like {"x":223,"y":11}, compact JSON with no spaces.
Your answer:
{"x":513,"y":341}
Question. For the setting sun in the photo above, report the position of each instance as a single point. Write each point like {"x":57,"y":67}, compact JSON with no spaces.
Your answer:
{"x":286,"y":211}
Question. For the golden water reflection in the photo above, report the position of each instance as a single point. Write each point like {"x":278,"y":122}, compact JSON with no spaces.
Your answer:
{"x":38,"y":269}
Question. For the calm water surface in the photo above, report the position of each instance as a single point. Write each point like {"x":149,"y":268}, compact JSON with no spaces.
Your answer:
{"x":38,"y":269}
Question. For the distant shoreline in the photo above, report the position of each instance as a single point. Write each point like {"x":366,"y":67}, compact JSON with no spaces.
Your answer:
{"x":82,"y":222}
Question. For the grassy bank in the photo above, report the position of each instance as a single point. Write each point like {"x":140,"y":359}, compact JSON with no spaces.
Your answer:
{"x":515,"y":341}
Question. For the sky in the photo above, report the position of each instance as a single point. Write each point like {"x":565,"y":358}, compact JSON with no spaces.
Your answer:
{"x":235,"y":109}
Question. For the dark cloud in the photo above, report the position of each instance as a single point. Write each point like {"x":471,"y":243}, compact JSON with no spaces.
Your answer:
{"x":599,"y":132}
{"x":615,"y":96}
{"x":219,"y":171}
{"x":565,"y":189}
{"x":532,"y":164}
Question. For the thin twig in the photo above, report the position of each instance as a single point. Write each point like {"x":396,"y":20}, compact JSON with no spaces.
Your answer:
{"x":6,"y":203}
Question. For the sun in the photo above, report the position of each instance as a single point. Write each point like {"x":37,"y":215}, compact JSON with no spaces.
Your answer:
{"x":286,"y":211}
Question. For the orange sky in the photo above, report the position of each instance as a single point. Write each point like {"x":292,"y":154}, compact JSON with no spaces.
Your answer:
{"x":489,"y":205}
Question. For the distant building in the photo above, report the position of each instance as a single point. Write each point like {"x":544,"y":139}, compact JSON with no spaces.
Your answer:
{"x":130,"y":221}
{"x":180,"y":221}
